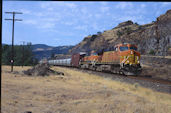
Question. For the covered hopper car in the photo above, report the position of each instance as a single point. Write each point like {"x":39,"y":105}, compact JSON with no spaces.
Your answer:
{"x":123,"y":59}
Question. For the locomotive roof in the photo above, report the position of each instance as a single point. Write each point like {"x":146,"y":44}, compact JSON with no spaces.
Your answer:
{"x":126,"y":44}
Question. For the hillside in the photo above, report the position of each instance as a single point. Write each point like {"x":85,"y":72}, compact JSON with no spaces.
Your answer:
{"x":44,"y":51}
{"x":41,"y":47}
{"x":153,"y":37}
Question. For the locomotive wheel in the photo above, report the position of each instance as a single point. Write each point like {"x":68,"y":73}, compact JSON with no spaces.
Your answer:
{"x":121,"y":73}
{"x":129,"y":73}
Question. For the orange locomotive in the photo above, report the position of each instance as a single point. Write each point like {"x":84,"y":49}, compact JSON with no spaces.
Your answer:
{"x":124,"y":59}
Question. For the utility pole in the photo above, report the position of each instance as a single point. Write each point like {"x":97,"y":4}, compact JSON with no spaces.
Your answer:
{"x":13,"y":20}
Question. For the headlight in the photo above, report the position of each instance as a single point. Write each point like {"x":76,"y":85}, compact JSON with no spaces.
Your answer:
{"x":137,"y":57}
{"x":131,"y":52}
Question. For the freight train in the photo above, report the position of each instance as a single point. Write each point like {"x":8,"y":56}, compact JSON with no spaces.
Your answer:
{"x":123,"y":59}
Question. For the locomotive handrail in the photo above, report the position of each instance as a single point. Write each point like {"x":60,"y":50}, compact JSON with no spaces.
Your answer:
{"x":124,"y":60}
{"x":93,"y":62}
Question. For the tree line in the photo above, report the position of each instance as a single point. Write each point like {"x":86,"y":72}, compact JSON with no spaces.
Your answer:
{"x":22,"y":55}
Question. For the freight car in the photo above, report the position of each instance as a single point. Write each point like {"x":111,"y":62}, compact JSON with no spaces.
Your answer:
{"x":123,"y":59}
{"x":60,"y":62}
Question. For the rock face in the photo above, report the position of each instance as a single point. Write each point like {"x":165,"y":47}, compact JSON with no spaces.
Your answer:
{"x":129,"y":22}
{"x":153,"y":38}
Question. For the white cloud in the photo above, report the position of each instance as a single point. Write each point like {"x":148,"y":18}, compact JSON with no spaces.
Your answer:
{"x":64,"y":33}
{"x":139,"y":11}
{"x":84,"y":10}
{"x":71,"y":5}
{"x":57,"y":39}
{"x":58,"y":4}
{"x":81,"y":27}
{"x":124,"y":5}
{"x":45,"y":4}
{"x":127,"y":17}
{"x":103,"y":3}
{"x":50,"y":19}
{"x":97,"y":15}
{"x":104,"y":9}
{"x":95,"y":26}
{"x":33,"y":22}
{"x":158,"y":13}
{"x":50,"y":9}
{"x":68,"y":23}
{"x":164,"y":4}
{"x":46,"y":25}
{"x":142,"y":5}
{"x":25,"y":11}
{"x":38,"y":14}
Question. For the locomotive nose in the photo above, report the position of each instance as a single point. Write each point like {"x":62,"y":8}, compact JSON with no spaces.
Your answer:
{"x":132,"y":57}
{"x":132,"y":52}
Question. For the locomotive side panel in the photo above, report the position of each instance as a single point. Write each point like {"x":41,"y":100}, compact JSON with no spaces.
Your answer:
{"x":110,"y":57}
{"x":91,"y":58}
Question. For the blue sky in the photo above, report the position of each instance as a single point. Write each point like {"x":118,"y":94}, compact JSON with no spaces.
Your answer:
{"x":58,"y":23}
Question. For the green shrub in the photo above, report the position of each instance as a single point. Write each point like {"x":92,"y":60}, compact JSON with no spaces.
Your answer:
{"x":99,"y":33}
{"x":128,"y":30}
{"x":119,"y":33}
{"x":152,"y":52}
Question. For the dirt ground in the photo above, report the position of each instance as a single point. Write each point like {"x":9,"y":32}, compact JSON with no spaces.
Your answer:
{"x":76,"y":92}
{"x":157,"y":71}
{"x":156,"y":67}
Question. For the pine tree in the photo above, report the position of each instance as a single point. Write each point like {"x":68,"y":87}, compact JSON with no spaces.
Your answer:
{"x":18,"y":55}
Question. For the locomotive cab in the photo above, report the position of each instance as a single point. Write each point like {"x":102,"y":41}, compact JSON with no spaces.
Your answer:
{"x":129,"y":59}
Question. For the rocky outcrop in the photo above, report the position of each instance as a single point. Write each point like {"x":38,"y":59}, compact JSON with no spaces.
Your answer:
{"x":152,"y":38}
{"x":129,"y":22}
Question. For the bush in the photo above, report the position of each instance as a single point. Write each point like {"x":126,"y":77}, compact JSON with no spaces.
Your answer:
{"x":99,"y":33}
{"x":93,"y":37}
{"x":136,"y":23}
{"x":128,"y":30}
{"x":140,"y":27}
{"x":152,"y":52}
{"x":119,"y":33}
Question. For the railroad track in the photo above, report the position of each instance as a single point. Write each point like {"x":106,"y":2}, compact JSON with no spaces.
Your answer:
{"x":148,"y":78}
{"x":147,"y":81}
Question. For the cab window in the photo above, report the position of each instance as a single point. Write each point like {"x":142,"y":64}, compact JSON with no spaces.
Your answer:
{"x":123,"y":48}
{"x":115,"y":48}
{"x":94,"y":54}
{"x":133,"y":48}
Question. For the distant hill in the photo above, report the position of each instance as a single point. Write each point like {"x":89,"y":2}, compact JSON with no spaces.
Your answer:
{"x":44,"y":51}
{"x":43,"y":46}
{"x":153,"y":38}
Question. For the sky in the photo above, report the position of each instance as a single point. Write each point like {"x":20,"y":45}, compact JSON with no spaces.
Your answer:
{"x":59,"y":23}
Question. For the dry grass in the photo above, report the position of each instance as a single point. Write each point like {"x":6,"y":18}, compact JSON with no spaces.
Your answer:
{"x":77,"y":92}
